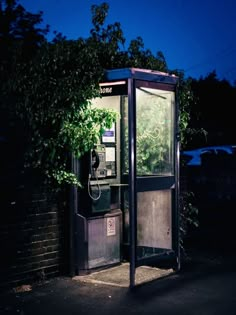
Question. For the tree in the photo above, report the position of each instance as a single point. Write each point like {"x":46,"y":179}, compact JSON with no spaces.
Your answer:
{"x":56,"y":87}
{"x":42,"y":86}
{"x":109,"y":43}
{"x":212,"y":110}
{"x":19,"y":34}
{"x":20,"y":38}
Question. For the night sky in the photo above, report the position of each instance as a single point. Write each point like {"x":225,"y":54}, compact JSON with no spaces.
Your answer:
{"x":197,"y":36}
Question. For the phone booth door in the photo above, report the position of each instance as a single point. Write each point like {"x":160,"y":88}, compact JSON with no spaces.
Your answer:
{"x":153,"y":175}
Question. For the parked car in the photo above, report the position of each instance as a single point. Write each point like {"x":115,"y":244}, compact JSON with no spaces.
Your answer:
{"x":194,"y":157}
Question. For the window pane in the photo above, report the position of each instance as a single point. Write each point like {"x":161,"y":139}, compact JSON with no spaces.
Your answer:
{"x":154,"y":131}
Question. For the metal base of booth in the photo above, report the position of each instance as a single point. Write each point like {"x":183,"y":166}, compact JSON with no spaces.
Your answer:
{"x":98,"y":241}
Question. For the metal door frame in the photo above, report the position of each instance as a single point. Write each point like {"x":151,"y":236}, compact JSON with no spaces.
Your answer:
{"x":133,"y":183}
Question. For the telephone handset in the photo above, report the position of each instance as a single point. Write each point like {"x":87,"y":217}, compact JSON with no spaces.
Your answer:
{"x":97,"y":169}
{"x":95,"y":159}
{"x":98,"y":162}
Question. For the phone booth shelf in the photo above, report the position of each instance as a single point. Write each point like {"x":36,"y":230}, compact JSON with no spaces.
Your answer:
{"x":138,"y":167}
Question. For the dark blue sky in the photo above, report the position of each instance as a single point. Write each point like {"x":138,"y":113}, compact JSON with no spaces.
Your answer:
{"x":197,"y":36}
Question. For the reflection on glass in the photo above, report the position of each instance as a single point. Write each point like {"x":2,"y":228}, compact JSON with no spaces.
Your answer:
{"x":154,"y":131}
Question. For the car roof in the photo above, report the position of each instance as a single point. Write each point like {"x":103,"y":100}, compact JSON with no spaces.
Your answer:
{"x":227,"y":148}
{"x":196,"y":153}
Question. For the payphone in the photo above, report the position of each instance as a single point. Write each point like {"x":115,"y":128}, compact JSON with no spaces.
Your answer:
{"x":130,"y":209}
{"x":101,"y":173}
{"x":97,"y":171}
{"x":98,"y":162}
{"x":102,"y":166}
{"x":102,"y":162}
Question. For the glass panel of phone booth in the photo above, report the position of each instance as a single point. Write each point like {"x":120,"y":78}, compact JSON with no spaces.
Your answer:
{"x":154,"y":169}
{"x":154,"y":135}
{"x":119,"y":183}
{"x":111,"y":139}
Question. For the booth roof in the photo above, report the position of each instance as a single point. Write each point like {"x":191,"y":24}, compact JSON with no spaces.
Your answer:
{"x":142,"y":74}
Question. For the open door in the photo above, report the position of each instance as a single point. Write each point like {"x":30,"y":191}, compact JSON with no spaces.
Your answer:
{"x":153,"y":175}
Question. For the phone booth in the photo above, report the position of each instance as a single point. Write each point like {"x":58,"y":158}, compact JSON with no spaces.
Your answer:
{"x":129,"y":210}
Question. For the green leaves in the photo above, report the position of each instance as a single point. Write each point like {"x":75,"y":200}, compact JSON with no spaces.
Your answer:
{"x":188,"y":215}
{"x":53,"y":93}
{"x":63,"y":176}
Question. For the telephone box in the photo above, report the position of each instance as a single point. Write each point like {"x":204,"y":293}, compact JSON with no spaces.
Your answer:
{"x":128,"y":209}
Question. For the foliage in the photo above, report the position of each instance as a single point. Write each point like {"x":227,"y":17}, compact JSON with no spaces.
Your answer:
{"x":188,"y":215}
{"x":185,"y":101}
{"x":213,"y":110}
{"x":106,"y":40}
{"x":140,"y":58}
{"x":56,"y":87}
{"x":20,"y":39}
{"x":109,"y":41}
{"x":19,"y":34}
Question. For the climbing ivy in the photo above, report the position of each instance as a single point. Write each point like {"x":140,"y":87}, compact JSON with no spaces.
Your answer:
{"x":54,"y":92}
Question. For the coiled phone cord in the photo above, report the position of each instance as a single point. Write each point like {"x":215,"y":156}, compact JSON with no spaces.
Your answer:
{"x":99,"y":188}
